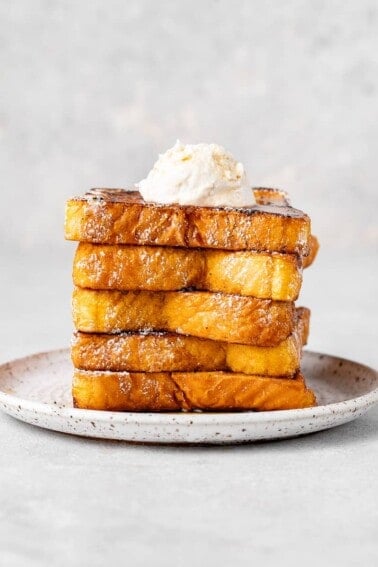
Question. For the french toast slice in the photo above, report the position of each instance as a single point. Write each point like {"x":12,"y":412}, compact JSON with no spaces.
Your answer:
{"x":170,"y":391}
{"x":157,"y":268}
{"x":216,"y":316}
{"x":117,"y":216}
{"x":169,"y":352}
{"x":314,"y":249}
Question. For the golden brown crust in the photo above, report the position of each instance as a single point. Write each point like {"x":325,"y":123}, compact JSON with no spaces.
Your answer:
{"x":215,"y":316}
{"x":270,"y":196}
{"x":169,"y":391}
{"x":157,"y":268}
{"x":161,"y":352}
{"x":122,"y":217}
{"x":313,"y":252}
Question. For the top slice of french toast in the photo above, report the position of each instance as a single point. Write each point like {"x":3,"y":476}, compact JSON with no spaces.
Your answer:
{"x":119,"y":216}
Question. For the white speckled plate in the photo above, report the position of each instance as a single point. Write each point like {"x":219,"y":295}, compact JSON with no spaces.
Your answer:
{"x":36,"y":389}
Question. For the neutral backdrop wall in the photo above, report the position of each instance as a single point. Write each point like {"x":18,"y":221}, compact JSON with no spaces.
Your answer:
{"x":91,"y":91}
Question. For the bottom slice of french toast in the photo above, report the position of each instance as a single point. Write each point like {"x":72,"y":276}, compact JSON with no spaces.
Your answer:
{"x":172,"y":391}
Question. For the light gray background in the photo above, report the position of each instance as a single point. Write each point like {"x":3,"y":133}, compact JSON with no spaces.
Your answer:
{"x":90,"y":92}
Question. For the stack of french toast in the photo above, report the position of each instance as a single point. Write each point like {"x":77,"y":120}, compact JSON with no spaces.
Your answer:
{"x":186,"y":307}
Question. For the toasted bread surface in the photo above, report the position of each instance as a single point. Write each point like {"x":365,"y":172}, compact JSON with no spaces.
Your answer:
{"x":169,"y":391}
{"x":215,"y":316}
{"x":157,"y":268}
{"x":162,"y":352}
{"x":313,"y":252}
{"x":111,"y":216}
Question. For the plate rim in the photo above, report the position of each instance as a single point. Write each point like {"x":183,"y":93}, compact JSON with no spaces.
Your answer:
{"x":365,"y":401}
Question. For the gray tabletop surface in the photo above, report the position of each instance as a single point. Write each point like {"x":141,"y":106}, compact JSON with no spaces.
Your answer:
{"x":74,"y":501}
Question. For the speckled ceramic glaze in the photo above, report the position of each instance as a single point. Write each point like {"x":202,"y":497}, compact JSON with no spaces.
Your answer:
{"x":36,"y":389}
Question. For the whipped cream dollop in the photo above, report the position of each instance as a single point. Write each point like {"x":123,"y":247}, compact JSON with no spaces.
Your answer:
{"x":197,"y":174}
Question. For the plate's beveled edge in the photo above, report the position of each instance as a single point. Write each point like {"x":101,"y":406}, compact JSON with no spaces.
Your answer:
{"x":346,"y":407}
